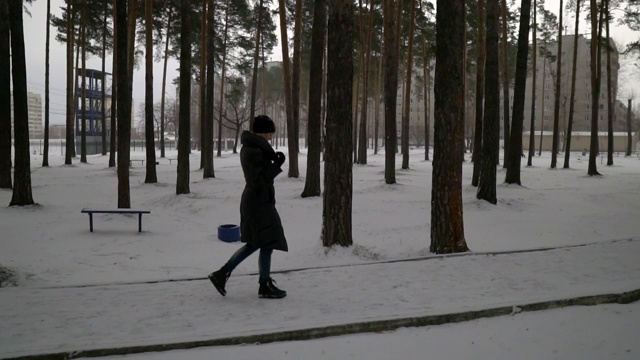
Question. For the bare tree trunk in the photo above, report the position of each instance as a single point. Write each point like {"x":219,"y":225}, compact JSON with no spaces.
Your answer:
{"x":491,"y":121}
{"x":5,"y":98}
{"x":390,"y":89}
{"x":22,"y":172}
{"x":45,"y":156}
{"x":407,"y":95}
{"x":534,"y":91}
{"x":222,"y":76}
{"x":114,"y":90}
{"x":610,"y":112}
{"x":103,"y":113}
{"x":595,"y":87}
{"x":254,"y":78}
{"x":476,"y":156}
{"x":164,"y":87}
{"x":295,"y":81}
{"x":556,"y":105}
{"x":207,"y":125}
{"x":150,"y":145}
{"x":427,"y":97}
{"x":316,"y":70}
{"x":505,"y":80}
{"x":574,"y":68}
{"x":69,"y":150}
{"x":184,"y":143}
{"x":203,"y":85}
{"x":544,"y":80}
{"x":629,"y":137}
{"x":338,"y":174}
{"x":513,"y":168}
{"x":291,"y":128}
{"x":123,"y":104}
{"x":447,"y":222}
{"x":376,"y":118}
{"x":83,"y":96}
{"x":362,"y":144}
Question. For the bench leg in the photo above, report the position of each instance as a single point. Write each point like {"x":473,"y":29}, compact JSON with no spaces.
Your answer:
{"x":139,"y":222}
{"x":91,"y":222}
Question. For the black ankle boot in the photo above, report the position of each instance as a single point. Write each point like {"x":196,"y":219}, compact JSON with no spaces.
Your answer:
{"x":268,"y":290}
{"x":219,"y":279}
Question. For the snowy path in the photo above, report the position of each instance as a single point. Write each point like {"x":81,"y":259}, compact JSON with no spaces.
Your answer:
{"x":38,"y":320}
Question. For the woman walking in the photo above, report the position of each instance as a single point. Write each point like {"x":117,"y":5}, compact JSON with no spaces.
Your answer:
{"x":260,"y":225}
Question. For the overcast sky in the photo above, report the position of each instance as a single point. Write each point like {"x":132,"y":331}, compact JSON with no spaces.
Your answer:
{"x":35,"y":33}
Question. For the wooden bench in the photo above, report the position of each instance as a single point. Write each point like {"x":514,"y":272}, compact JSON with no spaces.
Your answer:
{"x":171,"y":160}
{"x":116,"y":211}
{"x":131,"y":161}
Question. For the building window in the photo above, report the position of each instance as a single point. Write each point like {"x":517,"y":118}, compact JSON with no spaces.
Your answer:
{"x":587,"y":107}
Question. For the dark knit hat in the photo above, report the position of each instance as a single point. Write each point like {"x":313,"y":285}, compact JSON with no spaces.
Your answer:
{"x":262,"y":124}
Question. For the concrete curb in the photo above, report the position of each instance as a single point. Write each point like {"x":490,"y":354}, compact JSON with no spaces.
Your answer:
{"x":346,"y":329}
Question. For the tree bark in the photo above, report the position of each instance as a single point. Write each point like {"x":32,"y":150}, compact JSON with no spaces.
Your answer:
{"x":208,"y":123}
{"x":447,"y":223}
{"x":22,"y":172}
{"x":556,"y":104}
{"x":574,"y":68}
{"x":256,"y":55}
{"x":534,"y":91}
{"x":312,"y":182}
{"x":610,"y":110}
{"x":184,"y":138}
{"x":69,"y":136}
{"x":390,"y":53}
{"x":164,"y":87}
{"x":5,"y":98}
{"x":295,"y":82}
{"x":476,"y":156}
{"x":83,"y":85}
{"x":362,"y":143}
{"x":376,"y":119}
{"x":151,"y":176}
{"x":595,"y":88}
{"x":407,"y":96}
{"x":286,"y":66}
{"x":513,"y":168}
{"x":203,"y":86}
{"x":427,"y":97}
{"x":629,"y":137}
{"x":45,"y":155}
{"x":338,"y":180}
{"x":505,"y":79}
{"x":123,"y":105}
{"x":114,"y":92}
{"x":103,"y":117}
{"x":222,"y":77}
{"x":491,"y":121}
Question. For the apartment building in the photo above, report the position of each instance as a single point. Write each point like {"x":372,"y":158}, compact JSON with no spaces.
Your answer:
{"x":34,"y":104}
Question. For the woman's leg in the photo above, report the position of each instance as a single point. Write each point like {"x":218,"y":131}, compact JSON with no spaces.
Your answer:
{"x":264,"y":264}
{"x":238,"y":257}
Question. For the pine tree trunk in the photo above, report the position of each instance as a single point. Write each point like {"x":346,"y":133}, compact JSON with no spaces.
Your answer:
{"x":390,"y":53}
{"x":222,"y":77}
{"x":123,"y":105}
{"x":476,"y":156}
{"x":208,"y":123}
{"x":362,"y":143}
{"x":407,"y":95}
{"x":610,"y":112}
{"x":629,"y":137}
{"x":83,"y":96}
{"x":534,"y":91}
{"x":427,"y":92}
{"x":5,"y":98}
{"x":164,"y":87}
{"x":295,"y":81}
{"x":574,"y":68}
{"x":254,"y":77}
{"x":22,"y":172}
{"x":286,"y":66}
{"x":544,"y":81}
{"x":69,"y":136}
{"x":151,"y":176}
{"x":491,"y":121}
{"x":556,"y":104}
{"x":505,"y":79}
{"x":338,"y":174}
{"x":513,"y":168}
{"x":114,"y":92}
{"x":447,"y":223}
{"x":203,"y":86}
{"x":184,"y":143}
{"x":595,"y":87}
{"x":103,"y":113}
{"x":316,"y":70}
{"x":376,"y":119}
{"x":45,"y":155}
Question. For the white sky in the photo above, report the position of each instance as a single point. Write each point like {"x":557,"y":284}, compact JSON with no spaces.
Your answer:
{"x":35,"y":52}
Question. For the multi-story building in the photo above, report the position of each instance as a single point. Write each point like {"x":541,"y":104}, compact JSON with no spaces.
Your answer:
{"x":34,"y":103}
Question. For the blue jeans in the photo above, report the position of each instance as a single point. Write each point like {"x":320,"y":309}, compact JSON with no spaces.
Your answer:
{"x":264,"y":261}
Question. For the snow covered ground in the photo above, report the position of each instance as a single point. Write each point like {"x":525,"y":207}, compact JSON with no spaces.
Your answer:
{"x":52,"y":251}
